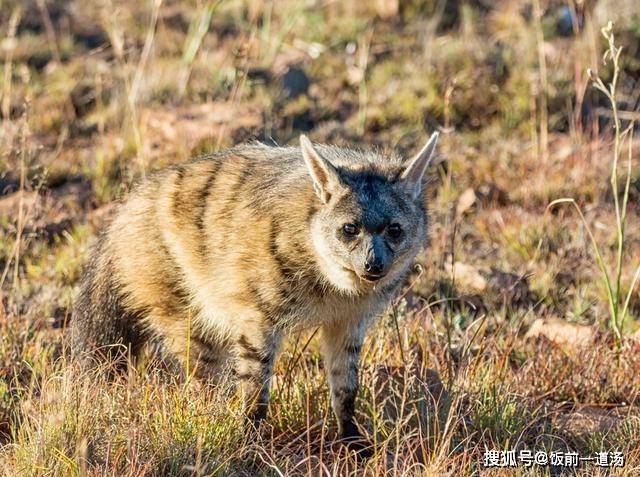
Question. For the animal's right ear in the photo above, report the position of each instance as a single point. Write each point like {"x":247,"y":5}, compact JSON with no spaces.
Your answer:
{"x":325,"y":176}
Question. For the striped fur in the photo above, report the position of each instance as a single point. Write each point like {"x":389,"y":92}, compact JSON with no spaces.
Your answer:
{"x":233,"y":250}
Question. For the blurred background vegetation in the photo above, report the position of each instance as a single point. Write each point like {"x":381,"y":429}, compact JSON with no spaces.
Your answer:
{"x":97,"y":94}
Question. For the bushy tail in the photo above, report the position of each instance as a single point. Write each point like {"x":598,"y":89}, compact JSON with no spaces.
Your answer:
{"x":102,"y":329}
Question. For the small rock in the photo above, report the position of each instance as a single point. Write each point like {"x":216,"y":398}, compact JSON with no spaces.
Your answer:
{"x":465,"y":201}
{"x":295,"y":82}
{"x":587,"y":420}
{"x":354,"y":75}
{"x":561,"y":332}
{"x":466,"y":275}
{"x":387,"y":8}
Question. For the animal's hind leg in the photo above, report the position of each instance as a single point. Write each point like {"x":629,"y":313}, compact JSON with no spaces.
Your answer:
{"x":196,"y":353}
{"x":256,"y":349}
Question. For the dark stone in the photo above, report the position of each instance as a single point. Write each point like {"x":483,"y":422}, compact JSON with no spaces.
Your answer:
{"x":303,"y":121}
{"x":261,"y":75}
{"x":8,"y":184}
{"x":295,"y":82}
{"x":83,"y":99}
{"x":565,"y":24}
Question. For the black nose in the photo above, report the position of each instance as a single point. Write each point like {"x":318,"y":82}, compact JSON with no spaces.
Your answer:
{"x":374,"y":267}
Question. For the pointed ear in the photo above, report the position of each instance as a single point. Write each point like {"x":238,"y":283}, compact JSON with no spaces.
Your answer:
{"x":412,"y":175}
{"x":325,"y":176}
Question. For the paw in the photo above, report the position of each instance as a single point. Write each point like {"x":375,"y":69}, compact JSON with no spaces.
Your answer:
{"x":255,"y":422}
{"x":354,"y":441}
{"x":360,"y":446}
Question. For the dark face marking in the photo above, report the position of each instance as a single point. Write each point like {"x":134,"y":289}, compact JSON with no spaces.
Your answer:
{"x":372,"y":225}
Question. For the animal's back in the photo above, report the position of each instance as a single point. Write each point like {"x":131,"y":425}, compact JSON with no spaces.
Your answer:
{"x":204,"y":244}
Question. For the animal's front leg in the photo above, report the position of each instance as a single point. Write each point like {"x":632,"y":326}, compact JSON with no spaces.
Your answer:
{"x":256,"y":353}
{"x":341,"y":348}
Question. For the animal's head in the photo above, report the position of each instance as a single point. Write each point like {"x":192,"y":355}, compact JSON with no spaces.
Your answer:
{"x":372,"y":221}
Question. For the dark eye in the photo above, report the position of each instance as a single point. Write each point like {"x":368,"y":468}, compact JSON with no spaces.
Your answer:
{"x":394,"y":230}
{"x":350,"y":230}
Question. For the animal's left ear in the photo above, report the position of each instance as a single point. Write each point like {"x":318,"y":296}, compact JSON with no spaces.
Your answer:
{"x":413,"y":174}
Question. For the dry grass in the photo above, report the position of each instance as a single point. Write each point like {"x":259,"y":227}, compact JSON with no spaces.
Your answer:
{"x":97,"y":94}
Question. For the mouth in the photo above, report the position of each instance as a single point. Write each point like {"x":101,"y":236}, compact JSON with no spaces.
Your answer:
{"x":366,"y":277}
{"x":372,"y":278}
